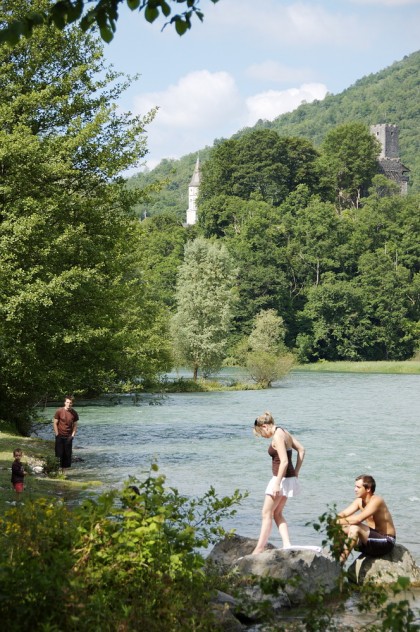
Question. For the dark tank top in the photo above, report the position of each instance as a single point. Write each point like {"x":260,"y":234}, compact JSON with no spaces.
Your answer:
{"x":275,"y":464}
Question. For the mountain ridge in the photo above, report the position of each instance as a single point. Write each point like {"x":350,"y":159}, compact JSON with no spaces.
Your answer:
{"x":392,"y":95}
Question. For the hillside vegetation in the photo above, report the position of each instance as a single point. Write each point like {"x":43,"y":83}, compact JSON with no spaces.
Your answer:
{"x":391,"y":96}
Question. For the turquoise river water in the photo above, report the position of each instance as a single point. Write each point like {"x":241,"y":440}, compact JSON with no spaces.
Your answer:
{"x":350,"y":424}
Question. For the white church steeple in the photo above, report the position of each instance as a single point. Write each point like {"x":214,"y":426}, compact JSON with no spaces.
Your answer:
{"x":193,"y":189}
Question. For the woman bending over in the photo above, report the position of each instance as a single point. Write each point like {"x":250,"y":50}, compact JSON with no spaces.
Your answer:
{"x":284,"y":483}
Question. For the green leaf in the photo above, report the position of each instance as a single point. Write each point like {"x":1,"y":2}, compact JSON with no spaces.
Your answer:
{"x":181,"y":26}
{"x":166,"y":9}
{"x":11,"y":34}
{"x":151,"y":13}
{"x":106,"y":33}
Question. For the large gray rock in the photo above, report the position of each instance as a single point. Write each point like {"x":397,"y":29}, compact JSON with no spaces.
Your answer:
{"x":385,"y":569}
{"x":299,"y":571}
{"x":223,"y":608}
{"x":226,"y":552}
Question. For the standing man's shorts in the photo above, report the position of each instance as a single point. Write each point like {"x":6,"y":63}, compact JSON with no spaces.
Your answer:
{"x":377,"y":544}
{"x":18,"y":487}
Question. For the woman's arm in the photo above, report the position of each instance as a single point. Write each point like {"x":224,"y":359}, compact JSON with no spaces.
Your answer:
{"x":301,"y":454}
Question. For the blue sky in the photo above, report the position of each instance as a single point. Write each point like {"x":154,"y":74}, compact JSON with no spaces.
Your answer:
{"x":250,"y":60}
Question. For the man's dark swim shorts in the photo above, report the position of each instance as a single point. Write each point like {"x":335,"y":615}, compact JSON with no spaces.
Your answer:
{"x":377,"y":544}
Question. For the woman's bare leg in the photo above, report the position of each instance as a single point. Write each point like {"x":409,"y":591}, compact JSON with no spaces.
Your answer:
{"x":269,"y":506}
{"x":281,"y":521}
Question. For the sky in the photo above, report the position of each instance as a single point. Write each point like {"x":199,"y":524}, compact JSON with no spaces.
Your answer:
{"x":251,"y":60}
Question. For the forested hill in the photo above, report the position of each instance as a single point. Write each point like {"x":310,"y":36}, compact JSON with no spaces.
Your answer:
{"x":389,"y":96}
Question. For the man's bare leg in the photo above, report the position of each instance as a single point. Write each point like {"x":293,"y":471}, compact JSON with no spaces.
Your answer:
{"x":355,"y":533}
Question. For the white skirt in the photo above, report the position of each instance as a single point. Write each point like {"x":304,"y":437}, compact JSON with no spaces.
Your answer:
{"x":288,"y":487}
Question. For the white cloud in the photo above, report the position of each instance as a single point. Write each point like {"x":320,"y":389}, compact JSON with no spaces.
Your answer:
{"x":200,"y":107}
{"x":199,"y":99}
{"x":268,"y":105}
{"x":276,"y":72}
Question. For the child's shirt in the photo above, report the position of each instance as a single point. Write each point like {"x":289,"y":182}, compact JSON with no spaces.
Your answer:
{"x":18,"y":473}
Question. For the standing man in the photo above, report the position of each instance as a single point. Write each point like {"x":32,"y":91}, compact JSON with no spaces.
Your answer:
{"x":377,"y":536}
{"x":65,"y":427}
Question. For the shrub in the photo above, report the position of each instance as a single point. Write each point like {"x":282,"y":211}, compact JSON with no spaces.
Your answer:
{"x":51,"y":465}
{"x":266,"y":368}
{"x":121,"y":562}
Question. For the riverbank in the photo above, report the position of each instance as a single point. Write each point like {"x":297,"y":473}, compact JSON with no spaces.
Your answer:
{"x":36,"y":452}
{"x":403,"y":367}
{"x":235,"y":378}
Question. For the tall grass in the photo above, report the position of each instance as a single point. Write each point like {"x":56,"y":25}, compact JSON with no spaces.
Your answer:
{"x":408,"y":367}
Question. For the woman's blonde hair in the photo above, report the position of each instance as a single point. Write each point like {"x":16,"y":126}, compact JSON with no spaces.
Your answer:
{"x":266,"y":418}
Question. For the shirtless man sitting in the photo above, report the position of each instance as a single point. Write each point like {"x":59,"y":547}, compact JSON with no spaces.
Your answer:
{"x":376,"y":537}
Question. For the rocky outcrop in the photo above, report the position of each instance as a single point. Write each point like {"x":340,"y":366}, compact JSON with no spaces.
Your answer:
{"x":226,"y":552}
{"x":279,"y":579}
{"x":301,"y":572}
{"x":385,"y":569}
{"x":297,"y":571}
{"x":223,"y":607}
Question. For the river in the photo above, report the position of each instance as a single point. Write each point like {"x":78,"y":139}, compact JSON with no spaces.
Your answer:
{"x":350,"y":424}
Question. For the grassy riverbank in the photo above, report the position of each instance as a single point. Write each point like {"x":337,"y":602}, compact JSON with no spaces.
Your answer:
{"x":406,"y":367}
{"x":35,"y":452}
{"x":221,"y":383}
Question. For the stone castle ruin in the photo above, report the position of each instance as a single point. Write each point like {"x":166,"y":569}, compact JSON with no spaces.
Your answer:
{"x":390,"y":164}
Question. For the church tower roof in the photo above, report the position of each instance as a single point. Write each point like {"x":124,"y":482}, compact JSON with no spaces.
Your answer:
{"x":195,"y":180}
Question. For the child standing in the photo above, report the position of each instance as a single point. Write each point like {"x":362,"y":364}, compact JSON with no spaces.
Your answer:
{"x":18,"y":473}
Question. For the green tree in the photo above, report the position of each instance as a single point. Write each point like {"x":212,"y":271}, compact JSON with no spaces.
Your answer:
{"x":205,"y":297}
{"x":73,"y":314}
{"x":259,"y":250}
{"x":104,"y":15}
{"x":260,"y":165}
{"x":389,"y":222}
{"x":222,"y":215}
{"x":267,"y":358}
{"x":123,"y":561}
{"x":387,"y":303}
{"x":333,"y":324}
{"x":371,"y":317}
{"x":314,"y":239}
{"x":349,"y":155}
{"x":162,"y":239}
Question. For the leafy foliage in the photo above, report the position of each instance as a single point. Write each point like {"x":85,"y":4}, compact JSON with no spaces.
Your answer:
{"x":349,"y":167}
{"x":119,"y":562}
{"x":162,"y":240}
{"x":205,"y":295}
{"x":73,"y":315}
{"x":261,"y":165}
{"x":266,"y":356}
{"x":104,"y":15}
